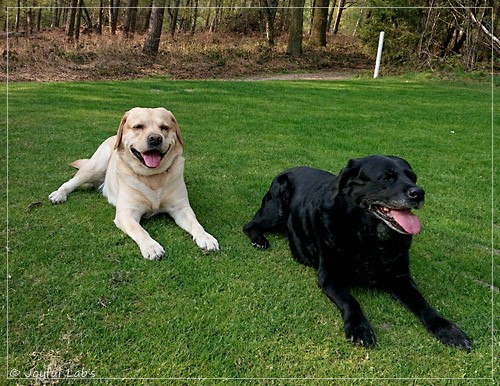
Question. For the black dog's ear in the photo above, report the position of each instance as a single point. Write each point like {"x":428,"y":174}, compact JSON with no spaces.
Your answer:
{"x":347,"y":176}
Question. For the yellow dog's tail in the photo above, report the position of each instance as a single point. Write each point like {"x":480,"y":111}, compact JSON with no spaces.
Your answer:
{"x":79,"y":163}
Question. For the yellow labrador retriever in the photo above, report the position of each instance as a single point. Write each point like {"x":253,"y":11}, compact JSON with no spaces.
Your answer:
{"x":141,"y":172}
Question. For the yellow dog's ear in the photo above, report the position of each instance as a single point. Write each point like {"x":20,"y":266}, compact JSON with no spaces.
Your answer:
{"x":119,"y":135}
{"x":177,"y":131}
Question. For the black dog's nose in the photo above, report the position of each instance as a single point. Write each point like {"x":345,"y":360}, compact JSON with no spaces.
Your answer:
{"x":155,"y":139}
{"x":416,"y":193}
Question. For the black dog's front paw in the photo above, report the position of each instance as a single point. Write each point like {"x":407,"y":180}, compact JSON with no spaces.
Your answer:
{"x":260,"y":242}
{"x":448,"y":333}
{"x":360,"y":333}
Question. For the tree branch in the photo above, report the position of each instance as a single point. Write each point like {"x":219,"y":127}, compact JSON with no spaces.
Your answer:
{"x":494,"y":39}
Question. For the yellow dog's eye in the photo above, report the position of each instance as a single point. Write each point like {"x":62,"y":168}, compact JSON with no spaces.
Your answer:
{"x":164,"y":127}
{"x":138,"y":126}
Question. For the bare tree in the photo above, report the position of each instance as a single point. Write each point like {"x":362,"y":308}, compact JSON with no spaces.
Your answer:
{"x":340,"y":9}
{"x":174,"y":14}
{"x":195,"y":17}
{"x":130,"y":18}
{"x":38,"y":19}
{"x":269,"y":12}
{"x":330,"y":15}
{"x":318,"y":28}
{"x":148,"y":16}
{"x":114,"y":8}
{"x":18,"y":15}
{"x":495,"y":41}
{"x":216,"y":17}
{"x":70,"y":24}
{"x":100,"y":17}
{"x":424,"y":36}
{"x":56,"y":21}
{"x":296,"y":28}
{"x":29,"y":21}
{"x":78,"y":19}
{"x":152,"y":42}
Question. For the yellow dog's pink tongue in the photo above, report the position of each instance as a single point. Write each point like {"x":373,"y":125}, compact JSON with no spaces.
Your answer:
{"x":407,"y":220}
{"x":152,"y":159}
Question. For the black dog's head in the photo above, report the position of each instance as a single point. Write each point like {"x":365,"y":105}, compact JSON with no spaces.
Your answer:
{"x":385,"y":186}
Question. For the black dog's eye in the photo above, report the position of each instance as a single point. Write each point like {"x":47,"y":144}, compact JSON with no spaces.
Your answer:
{"x":388,"y":175}
{"x":138,"y":126}
{"x":164,"y":127}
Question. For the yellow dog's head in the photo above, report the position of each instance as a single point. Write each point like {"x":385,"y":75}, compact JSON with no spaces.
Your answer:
{"x":149,"y":136}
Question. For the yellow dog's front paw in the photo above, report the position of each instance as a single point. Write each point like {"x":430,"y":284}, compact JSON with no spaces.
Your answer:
{"x":152,"y":251}
{"x":207,"y":242}
{"x":57,"y":197}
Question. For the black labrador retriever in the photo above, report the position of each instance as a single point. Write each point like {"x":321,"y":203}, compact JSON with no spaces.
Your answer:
{"x":355,"y":229}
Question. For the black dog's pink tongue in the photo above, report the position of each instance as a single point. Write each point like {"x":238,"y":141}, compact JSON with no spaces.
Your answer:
{"x":407,"y":220}
{"x":152,"y":158}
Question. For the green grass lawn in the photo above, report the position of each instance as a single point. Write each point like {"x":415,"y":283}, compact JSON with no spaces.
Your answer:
{"x":82,"y":300}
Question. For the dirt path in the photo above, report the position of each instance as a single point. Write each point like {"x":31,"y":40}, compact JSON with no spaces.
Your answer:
{"x":324,"y":75}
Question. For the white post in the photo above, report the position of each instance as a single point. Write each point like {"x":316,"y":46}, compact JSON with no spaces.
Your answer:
{"x":379,"y":54}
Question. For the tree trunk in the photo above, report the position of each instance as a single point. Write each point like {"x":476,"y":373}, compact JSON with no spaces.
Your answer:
{"x":424,"y":53}
{"x":269,"y":10}
{"x":100,"y":17}
{"x":318,"y":31}
{"x":56,"y":16}
{"x":114,"y":8}
{"x":70,"y":26}
{"x":173,"y":17}
{"x":78,"y":19}
{"x":38,"y":19}
{"x":130,"y":18}
{"x":148,"y":16}
{"x":339,"y":15}
{"x":208,"y":16}
{"x":18,"y":15}
{"x":215,"y":21}
{"x":152,"y":42}
{"x":357,"y":22}
{"x":311,"y":16}
{"x":195,"y":17}
{"x":495,"y":41}
{"x":88,"y":19}
{"x":29,"y":22}
{"x":330,"y":16}
{"x":296,"y":28}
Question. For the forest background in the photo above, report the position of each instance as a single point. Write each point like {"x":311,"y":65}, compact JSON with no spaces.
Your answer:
{"x":117,"y":39}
